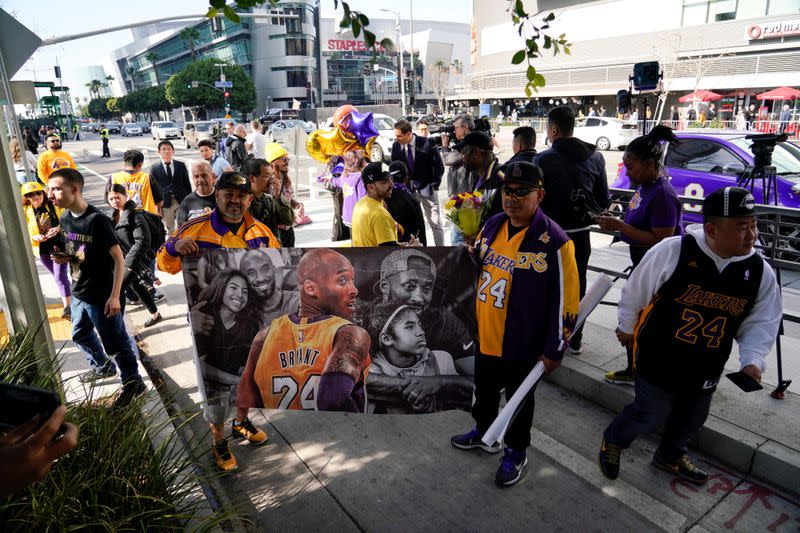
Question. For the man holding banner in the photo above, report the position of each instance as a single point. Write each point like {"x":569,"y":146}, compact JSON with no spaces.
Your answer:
{"x":527,"y":305}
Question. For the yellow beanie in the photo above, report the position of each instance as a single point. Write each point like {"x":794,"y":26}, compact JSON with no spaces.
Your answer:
{"x":275,"y":151}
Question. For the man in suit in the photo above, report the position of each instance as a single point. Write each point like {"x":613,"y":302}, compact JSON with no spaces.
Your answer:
{"x":425,"y":168}
{"x":173,"y":177}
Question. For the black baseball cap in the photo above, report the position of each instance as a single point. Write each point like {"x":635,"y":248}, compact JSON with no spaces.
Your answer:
{"x":518,"y":172}
{"x":233,"y":180}
{"x":478,"y":139}
{"x":729,"y":202}
{"x":374,"y":172}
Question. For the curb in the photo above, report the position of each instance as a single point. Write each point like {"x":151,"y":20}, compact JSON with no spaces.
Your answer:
{"x":732,"y":445}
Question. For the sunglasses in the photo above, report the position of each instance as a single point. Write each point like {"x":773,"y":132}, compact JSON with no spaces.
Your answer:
{"x":520,"y":192}
{"x":35,"y":193}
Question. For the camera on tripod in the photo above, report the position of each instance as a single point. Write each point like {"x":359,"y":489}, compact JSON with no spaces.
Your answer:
{"x":763,"y":146}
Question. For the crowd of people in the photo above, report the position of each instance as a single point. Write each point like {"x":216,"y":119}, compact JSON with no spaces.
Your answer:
{"x":688,"y":297}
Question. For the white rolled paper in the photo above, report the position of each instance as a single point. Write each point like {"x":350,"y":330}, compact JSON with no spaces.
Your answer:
{"x":496,"y":432}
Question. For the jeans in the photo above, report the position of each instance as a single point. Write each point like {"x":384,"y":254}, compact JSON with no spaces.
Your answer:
{"x":456,"y":237}
{"x":113,"y":339}
{"x":492,"y":374}
{"x":682,"y":414}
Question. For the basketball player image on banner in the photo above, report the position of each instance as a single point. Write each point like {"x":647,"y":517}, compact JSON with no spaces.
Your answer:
{"x":316,"y":359}
{"x":347,"y":316}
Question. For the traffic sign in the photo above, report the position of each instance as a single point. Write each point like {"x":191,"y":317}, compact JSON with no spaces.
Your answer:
{"x":390,"y":78}
{"x":223,"y":84}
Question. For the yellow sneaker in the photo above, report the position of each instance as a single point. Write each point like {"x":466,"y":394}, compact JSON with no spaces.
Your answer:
{"x":223,"y":457}
{"x":246,"y":430}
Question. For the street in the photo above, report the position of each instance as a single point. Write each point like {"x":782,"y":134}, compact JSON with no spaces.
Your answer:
{"x":340,"y":472}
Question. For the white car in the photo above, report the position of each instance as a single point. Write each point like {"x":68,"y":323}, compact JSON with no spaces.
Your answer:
{"x":604,"y":132}
{"x":164,"y":129}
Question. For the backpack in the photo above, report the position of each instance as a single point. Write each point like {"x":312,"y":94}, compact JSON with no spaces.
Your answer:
{"x":158,"y":235}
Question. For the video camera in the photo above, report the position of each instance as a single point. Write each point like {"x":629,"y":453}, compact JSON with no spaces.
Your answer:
{"x":763,"y":146}
{"x":446,"y":127}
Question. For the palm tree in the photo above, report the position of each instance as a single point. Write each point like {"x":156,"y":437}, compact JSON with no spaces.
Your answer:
{"x":190,"y":34}
{"x":94,"y":87}
{"x":131,"y":72}
{"x":152,"y":57}
{"x":109,"y":79}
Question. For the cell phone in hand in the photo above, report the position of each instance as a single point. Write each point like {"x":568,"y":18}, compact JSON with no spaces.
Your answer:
{"x":21,"y":404}
{"x":744,"y":381}
{"x":60,"y":254}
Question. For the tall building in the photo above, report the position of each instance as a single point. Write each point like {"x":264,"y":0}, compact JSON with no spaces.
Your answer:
{"x":734,"y":48}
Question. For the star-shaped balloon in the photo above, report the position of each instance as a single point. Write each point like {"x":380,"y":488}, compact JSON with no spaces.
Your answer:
{"x":362,"y":127}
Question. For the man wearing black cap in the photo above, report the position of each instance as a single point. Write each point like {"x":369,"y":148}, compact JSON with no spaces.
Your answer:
{"x":477,"y":154}
{"x":680,"y":311}
{"x":526,"y":307}
{"x":372,"y":223}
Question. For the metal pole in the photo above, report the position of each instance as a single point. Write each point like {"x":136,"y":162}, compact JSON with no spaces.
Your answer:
{"x":318,"y":57}
{"x":411,"y":36}
{"x":23,"y":294}
{"x":401,"y":77}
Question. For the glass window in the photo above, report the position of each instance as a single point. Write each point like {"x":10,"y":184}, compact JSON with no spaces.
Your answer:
{"x":703,"y":155}
{"x":296,"y":47}
{"x":694,"y":12}
{"x":782,"y":7}
{"x":593,"y":122}
{"x":296,"y":78}
{"x":751,"y":8}
{"x":786,"y":156}
{"x":721,"y":10}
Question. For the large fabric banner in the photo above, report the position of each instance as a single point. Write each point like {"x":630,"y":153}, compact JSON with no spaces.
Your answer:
{"x":376,"y":330}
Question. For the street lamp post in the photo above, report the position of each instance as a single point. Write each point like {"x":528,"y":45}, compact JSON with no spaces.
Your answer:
{"x":400,"y":51}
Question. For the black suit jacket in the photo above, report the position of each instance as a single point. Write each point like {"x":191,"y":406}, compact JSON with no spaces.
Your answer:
{"x":179,"y":187}
{"x":428,"y":166}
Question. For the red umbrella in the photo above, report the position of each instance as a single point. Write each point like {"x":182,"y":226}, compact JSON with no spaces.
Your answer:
{"x":700,"y":96}
{"x":781,"y":93}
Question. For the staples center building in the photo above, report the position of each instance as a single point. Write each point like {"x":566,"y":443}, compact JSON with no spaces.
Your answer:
{"x":737,"y":48}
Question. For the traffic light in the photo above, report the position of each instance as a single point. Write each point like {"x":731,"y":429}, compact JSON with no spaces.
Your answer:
{"x":623,"y":101}
{"x":366,"y":70}
{"x":226,"y":94}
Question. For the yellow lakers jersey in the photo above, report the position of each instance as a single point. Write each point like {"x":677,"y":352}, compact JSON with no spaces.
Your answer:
{"x":138,"y":187}
{"x":292,"y":359}
{"x":494,"y":286}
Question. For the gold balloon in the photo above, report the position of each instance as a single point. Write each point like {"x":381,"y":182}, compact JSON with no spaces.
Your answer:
{"x":322,"y":144}
{"x":368,"y":148}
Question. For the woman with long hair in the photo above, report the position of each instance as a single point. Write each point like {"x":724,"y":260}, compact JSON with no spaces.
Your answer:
{"x":134,"y":236}
{"x":42,"y":219}
{"x":350,"y":183}
{"x":654,"y":212}
{"x":19,"y":155}
{"x":230,"y":299}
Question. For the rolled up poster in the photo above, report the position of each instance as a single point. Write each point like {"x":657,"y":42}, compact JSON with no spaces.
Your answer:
{"x":497,"y":430}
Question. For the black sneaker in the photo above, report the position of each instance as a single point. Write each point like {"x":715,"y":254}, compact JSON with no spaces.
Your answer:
{"x":67,"y":313}
{"x":109,"y":371}
{"x":130,"y":390}
{"x":609,"y":459}
{"x":472,"y":440}
{"x":575,"y":346}
{"x":153,"y":320}
{"x":157,"y":297}
{"x":683,"y":467}
{"x":511,"y":466}
{"x":133,"y":301}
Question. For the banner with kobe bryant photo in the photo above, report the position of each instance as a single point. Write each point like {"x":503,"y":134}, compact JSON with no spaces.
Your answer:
{"x":376,"y":330}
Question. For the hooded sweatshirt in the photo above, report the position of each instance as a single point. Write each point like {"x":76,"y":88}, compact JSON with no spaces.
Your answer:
{"x":575,"y":183}
{"x":237,"y":153}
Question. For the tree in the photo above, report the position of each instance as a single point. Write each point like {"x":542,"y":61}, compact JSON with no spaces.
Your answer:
{"x":180,"y":90}
{"x":109,"y":79}
{"x":98,"y":108}
{"x":94,"y":87}
{"x":113,"y":106}
{"x":440,"y":80}
{"x":190,"y":34}
{"x":131,"y":72}
{"x":152,"y":57}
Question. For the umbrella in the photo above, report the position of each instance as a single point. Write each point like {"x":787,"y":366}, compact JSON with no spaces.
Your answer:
{"x":700,"y":96}
{"x":781,"y":93}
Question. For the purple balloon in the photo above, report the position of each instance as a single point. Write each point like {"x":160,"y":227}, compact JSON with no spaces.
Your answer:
{"x":362,"y":127}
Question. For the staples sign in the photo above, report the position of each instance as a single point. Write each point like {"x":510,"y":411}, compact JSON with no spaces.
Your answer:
{"x":338,"y":45}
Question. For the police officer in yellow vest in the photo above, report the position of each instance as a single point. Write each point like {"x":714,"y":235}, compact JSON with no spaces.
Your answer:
{"x":141,"y":187}
{"x":104,"y":138}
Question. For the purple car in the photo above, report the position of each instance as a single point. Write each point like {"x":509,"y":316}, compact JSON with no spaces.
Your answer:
{"x":705,"y":162}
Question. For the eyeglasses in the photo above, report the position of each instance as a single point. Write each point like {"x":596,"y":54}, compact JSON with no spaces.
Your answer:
{"x":520,"y":192}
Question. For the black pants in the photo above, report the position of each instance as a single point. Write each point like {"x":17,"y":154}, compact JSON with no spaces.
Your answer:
{"x":137,"y":287}
{"x":287,"y":238}
{"x":106,"y":151}
{"x":583,"y":249}
{"x":491,"y":375}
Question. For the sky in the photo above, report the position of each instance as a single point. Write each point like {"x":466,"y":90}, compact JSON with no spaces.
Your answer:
{"x":86,"y":15}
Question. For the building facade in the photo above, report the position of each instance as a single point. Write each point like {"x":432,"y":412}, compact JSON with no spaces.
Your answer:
{"x":277,"y":49}
{"x":736,"y":48}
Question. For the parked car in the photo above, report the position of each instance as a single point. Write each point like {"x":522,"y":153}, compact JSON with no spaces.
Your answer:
{"x":164,"y":129}
{"x":145,"y":126}
{"x":276,"y":114}
{"x":196,"y":131}
{"x":131,"y":129}
{"x":94,"y":127}
{"x":279,"y":130}
{"x":604,"y":132}
{"x":114,"y":126}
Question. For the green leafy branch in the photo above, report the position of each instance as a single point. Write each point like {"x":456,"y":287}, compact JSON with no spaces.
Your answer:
{"x":533,"y":33}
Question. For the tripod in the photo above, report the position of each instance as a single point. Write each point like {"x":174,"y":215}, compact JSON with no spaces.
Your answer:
{"x":767,"y":176}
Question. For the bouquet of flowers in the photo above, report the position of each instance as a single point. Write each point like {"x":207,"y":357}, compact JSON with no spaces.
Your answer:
{"x":464,"y":210}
